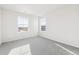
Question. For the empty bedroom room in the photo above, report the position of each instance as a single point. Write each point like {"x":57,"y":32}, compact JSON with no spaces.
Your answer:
{"x":39,"y":29}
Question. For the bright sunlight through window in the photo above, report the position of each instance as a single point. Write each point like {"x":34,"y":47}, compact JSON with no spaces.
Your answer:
{"x":22,"y":24}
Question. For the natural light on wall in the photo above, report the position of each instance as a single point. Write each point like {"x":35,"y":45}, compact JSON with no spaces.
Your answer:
{"x":22,"y":24}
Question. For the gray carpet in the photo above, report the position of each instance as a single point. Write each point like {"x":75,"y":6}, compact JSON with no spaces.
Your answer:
{"x":38,"y":46}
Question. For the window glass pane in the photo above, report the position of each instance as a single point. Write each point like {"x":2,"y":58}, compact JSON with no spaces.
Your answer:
{"x":43,"y":28}
{"x":22,"y":23}
{"x":43,"y":23}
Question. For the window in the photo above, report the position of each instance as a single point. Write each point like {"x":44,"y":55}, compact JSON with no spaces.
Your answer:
{"x":22,"y":24}
{"x":43,"y":23}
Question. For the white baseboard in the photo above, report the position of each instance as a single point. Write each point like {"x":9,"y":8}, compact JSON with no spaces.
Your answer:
{"x":60,"y":41}
{"x":16,"y":38}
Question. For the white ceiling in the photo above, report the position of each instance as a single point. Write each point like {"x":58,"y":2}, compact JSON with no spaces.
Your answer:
{"x":36,"y":9}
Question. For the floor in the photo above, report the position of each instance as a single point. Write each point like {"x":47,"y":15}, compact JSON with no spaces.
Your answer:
{"x":40,"y":46}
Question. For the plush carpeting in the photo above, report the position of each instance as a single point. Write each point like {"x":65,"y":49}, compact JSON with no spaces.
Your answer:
{"x":35,"y":46}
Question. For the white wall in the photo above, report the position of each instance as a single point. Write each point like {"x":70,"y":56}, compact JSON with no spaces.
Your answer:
{"x":0,"y":27}
{"x":10,"y":32}
{"x":63,"y":25}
